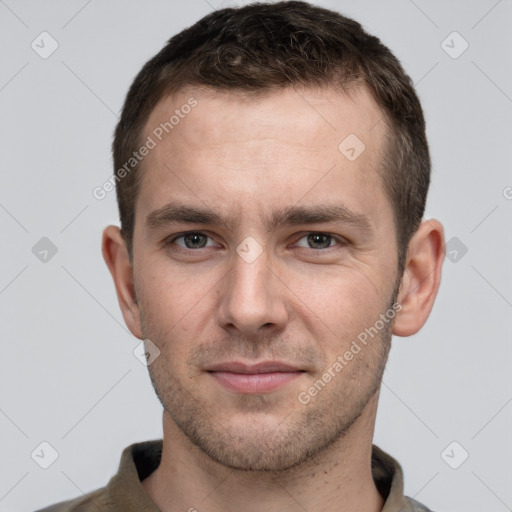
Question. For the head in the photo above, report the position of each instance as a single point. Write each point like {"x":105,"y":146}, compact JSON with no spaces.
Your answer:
{"x":273,"y":216}
{"x":262,"y":48}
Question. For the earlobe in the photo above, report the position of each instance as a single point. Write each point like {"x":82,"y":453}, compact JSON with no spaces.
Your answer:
{"x":421,"y":279}
{"x":118,"y":262}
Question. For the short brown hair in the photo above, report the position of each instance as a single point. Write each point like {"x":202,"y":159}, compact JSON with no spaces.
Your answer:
{"x":262,"y":47}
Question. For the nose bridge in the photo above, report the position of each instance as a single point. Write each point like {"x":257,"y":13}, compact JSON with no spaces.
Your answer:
{"x":250,"y":297}
{"x":253,"y":275}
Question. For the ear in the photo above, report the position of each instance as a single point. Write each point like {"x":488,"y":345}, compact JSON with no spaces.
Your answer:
{"x":118,"y":262}
{"x":421,"y":279}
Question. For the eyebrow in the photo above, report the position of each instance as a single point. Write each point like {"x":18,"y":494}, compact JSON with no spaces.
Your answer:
{"x":175,"y":213}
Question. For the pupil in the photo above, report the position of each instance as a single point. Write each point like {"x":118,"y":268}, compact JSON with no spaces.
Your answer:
{"x":194,"y":239}
{"x":319,"y":239}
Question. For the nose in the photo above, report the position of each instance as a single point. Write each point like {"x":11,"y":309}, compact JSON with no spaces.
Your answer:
{"x":252,"y":298}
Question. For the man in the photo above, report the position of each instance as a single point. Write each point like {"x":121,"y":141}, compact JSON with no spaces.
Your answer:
{"x":272,"y":170}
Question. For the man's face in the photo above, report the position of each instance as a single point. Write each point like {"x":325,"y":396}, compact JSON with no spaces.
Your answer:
{"x":276,"y":280}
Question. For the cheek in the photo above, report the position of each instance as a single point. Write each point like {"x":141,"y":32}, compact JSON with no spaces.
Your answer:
{"x":339,"y":304}
{"x":170,"y":300}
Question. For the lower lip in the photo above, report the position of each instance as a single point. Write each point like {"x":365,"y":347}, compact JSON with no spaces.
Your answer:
{"x":254,"y":382}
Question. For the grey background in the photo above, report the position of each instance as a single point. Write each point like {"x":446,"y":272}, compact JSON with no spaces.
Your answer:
{"x":68,"y":375}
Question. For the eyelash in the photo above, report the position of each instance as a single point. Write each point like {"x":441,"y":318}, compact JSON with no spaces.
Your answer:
{"x":341,"y":242}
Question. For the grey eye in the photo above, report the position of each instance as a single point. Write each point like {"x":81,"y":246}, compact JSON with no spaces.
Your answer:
{"x":316,"y":241}
{"x":192,"y":240}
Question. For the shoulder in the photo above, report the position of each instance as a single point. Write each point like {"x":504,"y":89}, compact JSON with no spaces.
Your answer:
{"x":415,"y":506}
{"x":91,"y":502}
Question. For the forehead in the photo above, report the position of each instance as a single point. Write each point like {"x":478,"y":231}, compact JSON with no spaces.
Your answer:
{"x":297,"y":116}
{"x":227,"y":148}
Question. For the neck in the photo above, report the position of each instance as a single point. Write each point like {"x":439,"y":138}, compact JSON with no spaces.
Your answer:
{"x":338,"y":479}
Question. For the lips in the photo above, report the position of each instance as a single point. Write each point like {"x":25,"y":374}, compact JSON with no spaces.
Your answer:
{"x":263,"y":367}
{"x":263,"y":377}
